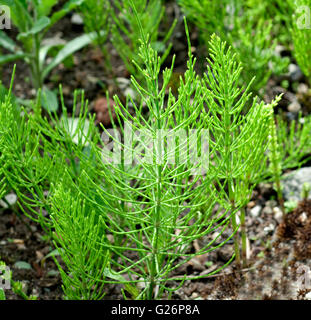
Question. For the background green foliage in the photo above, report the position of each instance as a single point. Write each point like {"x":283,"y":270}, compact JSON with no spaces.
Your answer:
{"x":243,"y":26}
{"x":118,"y":18}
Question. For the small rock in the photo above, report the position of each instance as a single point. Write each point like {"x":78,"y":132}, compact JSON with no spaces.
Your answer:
{"x":11,"y":199}
{"x":39,"y":255}
{"x":294,"y":72}
{"x":77,"y":19}
{"x":302,"y":88}
{"x":269,"y":229}
{"x":271,"y":203}
{"x":21,"y":246}
{"x":267,"y":210}
{"x":293,"y":182}
{"x":141,"y":284}
{"x":278,"y":215}
{"x":255,"y":211}
{"x":25,"y":285}
{"x":251,"y":204}
{"x":291,"y":116}
{"x":303,"y":218}
{"x":125,"y":85}
{"x":215,"y":235}
{"x":266,"y":189}
{"x":294,"y":107}
{"x":123,"y":82}
{"x":102,"y":111}
{"x":225,"y":253}
{"x":35,"y":292}
{"x":110,"y":238}
{"x":196,"y":264}
{"x":279,"y":49}
{"x":290,"y":97}
{"x":194,"y":295}
{"x":130,"y":92}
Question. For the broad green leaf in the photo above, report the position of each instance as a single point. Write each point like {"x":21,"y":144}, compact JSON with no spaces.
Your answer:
{"x":7,"y":43}
{"x":116,"y":276}
{"x":49,"y":100}
{"x":45,"y":7}
{"x":12,"y":57}
{"x":38,"y":26}
{"x":44,"y":51}
{"x":52,"y":273}
{"x":53,"y":253}
{"x":70,"y":48}
{"x":22,"y":265}
{"x":47,"y":44}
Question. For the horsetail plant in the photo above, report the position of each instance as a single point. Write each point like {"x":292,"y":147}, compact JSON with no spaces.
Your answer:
{"x":155,"y":187}
{"x":97,"y":22}
{"x":245,"y":30}
{"x":290,"y":148}
{"x":293,"y":139}
{"x":78,"y":238}
{"x":275,"y":160}
{"x":126,"y":30}
{"x":2,"y":185}
{"x":126,"y":207}
{"x":238,"y":136}
{"x":38,"y":152}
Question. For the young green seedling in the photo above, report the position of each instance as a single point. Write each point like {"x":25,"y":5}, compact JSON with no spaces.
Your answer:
{"x":33,"y":19}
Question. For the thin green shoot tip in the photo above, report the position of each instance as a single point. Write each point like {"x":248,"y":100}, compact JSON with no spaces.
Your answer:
{"x":187,"y":36}
{"x":12,"y":80}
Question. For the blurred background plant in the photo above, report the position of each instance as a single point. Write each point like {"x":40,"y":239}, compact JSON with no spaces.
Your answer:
{"x":33,"y":19}
{"x":116,"y":18}
{"x":97,"y":19}
{"x":244,"y":26}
